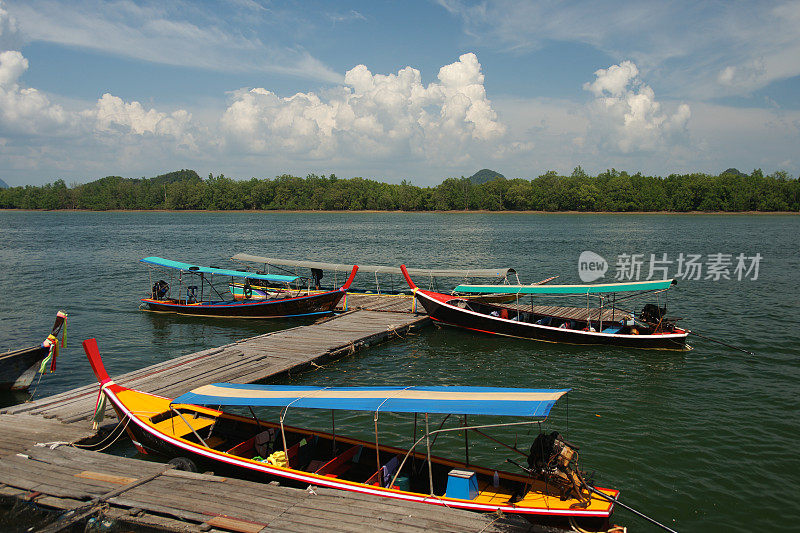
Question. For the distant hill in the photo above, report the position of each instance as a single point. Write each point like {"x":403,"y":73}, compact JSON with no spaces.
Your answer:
{"x":734,"y":172}
{"x":163,"y":179}
{"x":482,"y":176}
{"x":3,"y":185}
{"x":178,"y":175}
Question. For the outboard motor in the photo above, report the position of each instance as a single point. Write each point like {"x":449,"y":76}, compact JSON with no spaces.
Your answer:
{"x":656,"y":317}
{"x":554,"y":460}
{"x":653,"y":313}
{"x":160,"y":289}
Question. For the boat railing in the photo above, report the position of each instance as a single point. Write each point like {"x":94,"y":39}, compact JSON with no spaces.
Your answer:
{"x":428,"y":434}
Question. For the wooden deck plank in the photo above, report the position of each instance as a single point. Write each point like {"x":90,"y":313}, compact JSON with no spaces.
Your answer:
{"x":228,"y":503}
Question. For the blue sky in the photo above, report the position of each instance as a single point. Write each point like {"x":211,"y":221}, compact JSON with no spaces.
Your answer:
{"x":396,"y":90}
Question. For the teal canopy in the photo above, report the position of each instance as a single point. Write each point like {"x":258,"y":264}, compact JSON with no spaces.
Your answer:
{"x":414,"y":399}
{"x":600,"y":288}
{"x":188,"y":267}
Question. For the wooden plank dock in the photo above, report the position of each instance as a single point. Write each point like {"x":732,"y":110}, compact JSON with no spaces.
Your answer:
{"x":399,"y":303}
{"x":246,"y":361}
{"x":147,"y":494}
{"x":42,"y":464}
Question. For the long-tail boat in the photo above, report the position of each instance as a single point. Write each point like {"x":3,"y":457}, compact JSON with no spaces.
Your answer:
{"x":19,"y":367}
{"x":197,"y":295}
{"x":549,"y":486}
{"x":381,"y":280}
{"x":572,"y":325}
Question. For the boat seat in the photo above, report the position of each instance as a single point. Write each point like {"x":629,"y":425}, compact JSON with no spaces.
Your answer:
{"x":256,"y":445}
{"x":215,"y":441}
{"x":384,"y":476}
{"x":298,"y":455}
{"x":176,"y":425}
{"x":264,"y":442}
{"x":244,"y":449}
{"x":341,"y":463}
{"x":612,"y":329}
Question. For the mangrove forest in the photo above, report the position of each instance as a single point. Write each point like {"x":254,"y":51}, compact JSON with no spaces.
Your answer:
{"x":612,"y":191}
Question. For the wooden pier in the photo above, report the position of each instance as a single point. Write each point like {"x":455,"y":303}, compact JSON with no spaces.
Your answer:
{"x":247,"y":361}
{"x":399,"y":303}
{"x":143,"y":493}
{"x":43,"y":465}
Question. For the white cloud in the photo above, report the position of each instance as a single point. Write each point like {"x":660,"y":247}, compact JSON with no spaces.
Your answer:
{"x":351,"y":15}
{"x":182,"y":34}
{"x":29,"y":111}
{"x":37,"y":134}
{"x":113,"y":114}
{"x":566,"y":134}
{"x":372,"y":116}
{"x":690,"y":49}
{"x":12,"y":65}
{"x":9,"y":36}
{"x":371,"y":121}
{"x":25,"y":110}
{"x":625,"y":115}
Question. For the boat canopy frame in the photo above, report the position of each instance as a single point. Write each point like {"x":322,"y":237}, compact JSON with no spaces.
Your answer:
{"x":201,"y":272}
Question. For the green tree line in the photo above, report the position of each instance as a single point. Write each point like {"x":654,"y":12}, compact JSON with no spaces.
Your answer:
{"x":608,"y":191}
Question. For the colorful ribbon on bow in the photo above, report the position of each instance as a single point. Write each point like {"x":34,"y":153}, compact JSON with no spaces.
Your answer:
{"x":53,"y":344}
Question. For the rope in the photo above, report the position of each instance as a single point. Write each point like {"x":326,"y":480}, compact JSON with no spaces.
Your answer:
{"x":614,"y":529}
{"x":36,"y":388}
{"x":392,"y":328}
{"x":92,"y":446}
{"x":499,"y":514}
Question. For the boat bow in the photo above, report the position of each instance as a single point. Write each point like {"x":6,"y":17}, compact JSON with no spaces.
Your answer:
{"x":350,"y":279}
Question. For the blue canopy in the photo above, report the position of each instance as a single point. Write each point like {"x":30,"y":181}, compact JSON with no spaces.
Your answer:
{"x":457,"y":400}
{"x":599,"y":288}
{"x":158,"y":261}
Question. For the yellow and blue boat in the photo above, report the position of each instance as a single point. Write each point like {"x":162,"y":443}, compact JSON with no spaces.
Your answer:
{"x":550,"y":488}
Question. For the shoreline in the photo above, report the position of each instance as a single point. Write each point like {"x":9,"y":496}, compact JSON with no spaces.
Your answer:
{"x":368,"y":211}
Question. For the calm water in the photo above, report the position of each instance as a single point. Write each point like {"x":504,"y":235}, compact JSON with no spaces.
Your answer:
{"x":702,"y":440}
